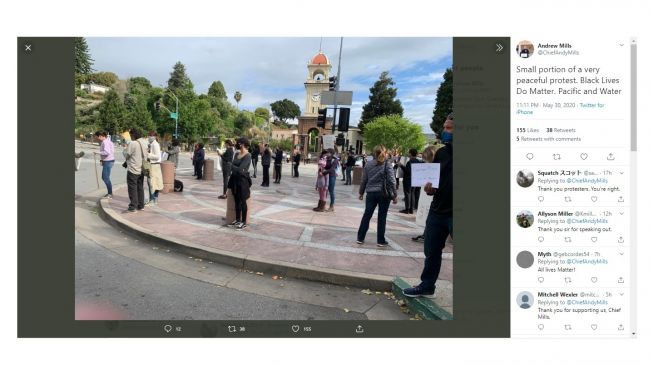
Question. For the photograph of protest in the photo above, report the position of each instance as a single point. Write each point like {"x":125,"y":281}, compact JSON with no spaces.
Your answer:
{"x":264,"y":178}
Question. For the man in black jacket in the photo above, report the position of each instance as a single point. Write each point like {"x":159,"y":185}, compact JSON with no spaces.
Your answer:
{"x":439,"y":223}
{"x":351,"y":162}
{"x":227,"y":157}
{"x":296,"y":159}
{"x":411,"y":194}
{"x":266,"y":158}
{"x":278,"y":160}
{"x":255,"y":152}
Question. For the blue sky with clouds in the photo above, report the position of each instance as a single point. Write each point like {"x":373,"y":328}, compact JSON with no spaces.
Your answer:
{"x":268,"y":69}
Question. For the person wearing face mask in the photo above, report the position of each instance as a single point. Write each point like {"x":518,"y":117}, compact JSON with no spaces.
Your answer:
{"x":240,"y":182}
{"x":155,"y":179}
{"x":439,"y":222}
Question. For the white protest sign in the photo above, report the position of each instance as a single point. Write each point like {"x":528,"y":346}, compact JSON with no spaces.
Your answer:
{"x":423,"y":208}
{"x":400,"y":172}
{"x":328,"y":141}
{"x":424,"y":173}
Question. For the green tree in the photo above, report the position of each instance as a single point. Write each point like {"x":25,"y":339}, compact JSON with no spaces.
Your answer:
{"x":261,"y":115}
{"x":382,"y":101}
{"x":103,"y":78}
{"x":139,"y":117}
{"x":262,"y":112}
{"x":139,"y":85}
{"x":217,"y":90}
{"x":443,"y":102}
{"x":238,"y":96}
{"x":196,"y":119}
{"x":112,"y":113}
{"x":83,"y":60}
{"x":243,"y":122}
{"x":179,"y":79}
{"x":285,"y":109}
{"x":394,"y":131}
{"x":283,"y":144}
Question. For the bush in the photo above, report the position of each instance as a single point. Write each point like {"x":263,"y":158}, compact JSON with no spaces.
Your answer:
{"x":81,"y":93}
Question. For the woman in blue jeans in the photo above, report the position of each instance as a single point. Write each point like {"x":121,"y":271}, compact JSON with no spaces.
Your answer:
{"x":372,"y":183}
{"x":106,"y":159}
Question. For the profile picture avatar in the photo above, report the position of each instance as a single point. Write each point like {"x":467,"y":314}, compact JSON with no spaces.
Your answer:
{"x":525,"y":219}
{"x":525,"y":49}
{"x":525,"y":178}
{"x":525,"y":300}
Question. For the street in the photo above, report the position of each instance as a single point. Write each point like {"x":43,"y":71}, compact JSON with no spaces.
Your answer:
{"x":118,"y":276}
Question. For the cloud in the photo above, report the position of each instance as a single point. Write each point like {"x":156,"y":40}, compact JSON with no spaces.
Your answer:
{"x":268,"y":69}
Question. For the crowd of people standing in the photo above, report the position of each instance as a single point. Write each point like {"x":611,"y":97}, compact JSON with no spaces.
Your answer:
{"x":380,"y":182}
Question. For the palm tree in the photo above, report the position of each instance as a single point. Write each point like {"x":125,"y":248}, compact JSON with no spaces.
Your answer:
{"x":238,"y":96}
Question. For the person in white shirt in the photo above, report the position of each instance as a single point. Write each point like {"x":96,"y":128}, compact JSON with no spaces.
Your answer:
{"x":155,"y":180}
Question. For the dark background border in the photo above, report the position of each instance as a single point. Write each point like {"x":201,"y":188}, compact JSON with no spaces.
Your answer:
{"x":46,"y":207}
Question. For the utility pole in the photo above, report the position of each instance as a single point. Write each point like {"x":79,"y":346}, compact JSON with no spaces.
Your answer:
{"x":335,"y":109}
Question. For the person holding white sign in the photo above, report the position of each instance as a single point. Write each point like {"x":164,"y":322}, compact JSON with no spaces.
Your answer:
{"x":439,"y":223}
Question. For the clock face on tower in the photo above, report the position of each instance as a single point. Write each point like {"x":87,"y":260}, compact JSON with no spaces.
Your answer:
{"x":318,"y":77}
{"x":316,"y":96}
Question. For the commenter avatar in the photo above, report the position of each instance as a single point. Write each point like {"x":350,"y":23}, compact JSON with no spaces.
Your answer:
{"x":525,"y":219}
{"x":525,"y":300}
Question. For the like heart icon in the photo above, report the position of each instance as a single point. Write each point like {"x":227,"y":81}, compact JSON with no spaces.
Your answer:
{"x":295,"y":328}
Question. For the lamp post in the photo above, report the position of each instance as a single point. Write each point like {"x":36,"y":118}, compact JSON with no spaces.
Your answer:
{"x":176,"y":114}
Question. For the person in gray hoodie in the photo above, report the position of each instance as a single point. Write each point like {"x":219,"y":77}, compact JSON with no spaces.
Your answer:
{"x":173,"y":152}
{"x":378,"y":176}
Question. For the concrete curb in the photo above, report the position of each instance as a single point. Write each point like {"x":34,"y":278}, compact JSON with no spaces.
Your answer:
{"x":249,"y":262}
{"x":426,"y":308}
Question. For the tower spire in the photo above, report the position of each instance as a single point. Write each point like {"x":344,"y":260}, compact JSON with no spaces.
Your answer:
{"x":320,"y":44}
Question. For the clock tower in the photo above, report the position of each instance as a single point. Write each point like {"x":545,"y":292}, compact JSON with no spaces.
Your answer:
{"x":309,"y":137}
{"x":316,"y":82}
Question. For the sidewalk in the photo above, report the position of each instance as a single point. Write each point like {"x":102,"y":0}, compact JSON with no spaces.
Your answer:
{"x":285,"y":237}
